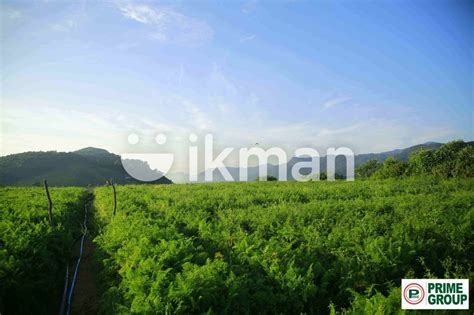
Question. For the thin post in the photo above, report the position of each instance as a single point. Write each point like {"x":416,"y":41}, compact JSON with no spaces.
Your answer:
{"x":115,"y":197}
{"x":50,"y":203}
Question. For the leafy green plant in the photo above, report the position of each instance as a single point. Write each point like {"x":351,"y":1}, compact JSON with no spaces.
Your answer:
{"x":453,"y":159}
{"x":368,"y":169}
{"x":280,"y":247}
{"x":33,"y":255}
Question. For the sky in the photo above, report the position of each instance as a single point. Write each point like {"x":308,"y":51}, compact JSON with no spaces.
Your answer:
{"x":369,"y":75}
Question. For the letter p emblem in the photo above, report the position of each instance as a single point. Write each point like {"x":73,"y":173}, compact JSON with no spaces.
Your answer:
{"x":413,"y":293}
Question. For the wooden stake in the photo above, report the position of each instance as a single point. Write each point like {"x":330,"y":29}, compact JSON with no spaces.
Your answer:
{"x":115,"y":196}
{"x":50,"y":210}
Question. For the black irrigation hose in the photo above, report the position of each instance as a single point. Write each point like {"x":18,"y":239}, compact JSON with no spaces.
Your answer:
{"x":69,"y":292}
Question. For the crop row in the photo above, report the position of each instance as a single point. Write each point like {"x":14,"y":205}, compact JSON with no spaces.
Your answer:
{"x":285,"y":247}
{"x":33,"y":254}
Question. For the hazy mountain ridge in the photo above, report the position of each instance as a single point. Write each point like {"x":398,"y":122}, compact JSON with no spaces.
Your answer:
{"x":399,"y":154}
{"x":88,"y":166}
{"x":93,"y":166}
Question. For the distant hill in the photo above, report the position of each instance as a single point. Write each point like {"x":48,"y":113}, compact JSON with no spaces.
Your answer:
{"x":93,"y":166}
{"x":399,"y":154}
{"x":88,"y":166}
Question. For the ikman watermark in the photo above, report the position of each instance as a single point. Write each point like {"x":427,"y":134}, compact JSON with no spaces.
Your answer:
{"x":152,"y":166}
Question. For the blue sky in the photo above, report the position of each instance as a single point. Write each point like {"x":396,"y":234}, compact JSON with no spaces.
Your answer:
{"x":370,"y":75}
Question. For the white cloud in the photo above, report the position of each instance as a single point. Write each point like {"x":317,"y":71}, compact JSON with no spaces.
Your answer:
{"x":167,"y":25}
{"x":75,"y":17}
{"x":248,"y":38}
{"x":139,"y":13}
{"x":344,"y":130}
{"x":12,"y":14}
{"x":65,"y":25}
{"x":220,"y":82}
{"x":199,"y":119}
{"x":335,"y":101}
{"x":249,"y":6}
{"x":23,"y":129}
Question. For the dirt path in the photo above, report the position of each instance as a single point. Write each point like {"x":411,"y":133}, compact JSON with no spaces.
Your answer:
{"x":86,"y":294}
{"x":85,"y":299}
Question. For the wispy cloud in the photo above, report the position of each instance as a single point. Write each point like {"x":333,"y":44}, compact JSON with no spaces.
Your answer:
{"x":65,"y":25}
{"x":249,"y":6}
{"x":72,"y":20}
{"x":12,"y":13}
{"x":139,"y":13}
{"x":168,"y":25}
{"x":248,"y":38}
{"x":335,"y":101}
{"x":219,"y":81}
{"x":199,"y":119}
{"x":344,"y":130}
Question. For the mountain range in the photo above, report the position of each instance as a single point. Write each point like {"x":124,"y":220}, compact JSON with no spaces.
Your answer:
{"x":340,"y":167}
{"x":93,"y":166}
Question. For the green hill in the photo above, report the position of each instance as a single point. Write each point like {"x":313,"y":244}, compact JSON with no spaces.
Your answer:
{"x":88,"y":166}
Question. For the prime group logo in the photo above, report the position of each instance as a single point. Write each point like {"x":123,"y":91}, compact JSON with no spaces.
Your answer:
{"x":413,"y":293}
{"x":447,"y":294}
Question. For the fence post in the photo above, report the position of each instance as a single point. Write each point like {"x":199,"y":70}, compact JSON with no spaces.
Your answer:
{"x":115,"y":196}
{"x":50,"y":203}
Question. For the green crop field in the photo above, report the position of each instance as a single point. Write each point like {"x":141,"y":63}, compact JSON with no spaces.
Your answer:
{"x":33,"y":255}
{"x":280,"y":247}
{"x":262,"y":247}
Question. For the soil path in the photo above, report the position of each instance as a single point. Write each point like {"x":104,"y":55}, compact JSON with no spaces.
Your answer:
{"x":85,"y":299}
{"x":86,"y":295}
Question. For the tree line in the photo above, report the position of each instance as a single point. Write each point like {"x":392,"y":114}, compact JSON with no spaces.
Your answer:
{"x":452,"y":160}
